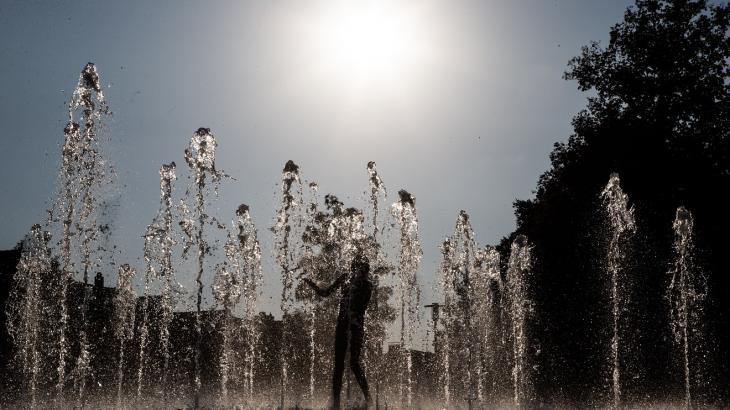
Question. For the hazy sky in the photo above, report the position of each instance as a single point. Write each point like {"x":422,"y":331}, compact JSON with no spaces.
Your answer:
{"x":464,"y":121}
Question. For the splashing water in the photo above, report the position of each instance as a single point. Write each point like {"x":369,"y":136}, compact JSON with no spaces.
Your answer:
{"x":84,"y":179}
{"x":158,"y":246}
{"x":447,"y":278}
{"x":84,"y":175}
{"x":144,"y":325}
{"x":467,"y":277}
{"x":377,"y":191}
{"x":251,"y":253}
{"x":124,"y":315}
{"x":456,"y":271}
{"x":687,"y":289}
{"x":621,"y":222}
{"x":378,"y":311}
{"x":44,"y":310}
{"x":291,"y":189}
{"x":239,"y":277}
{"x":520,"y":306}
{"x":25,"y":306}
{"x":308,"y":255}
{"x":166,"y":243}
{"x":200,"y":157}
{"x":404,"y":211}
{"x":486,"y":308}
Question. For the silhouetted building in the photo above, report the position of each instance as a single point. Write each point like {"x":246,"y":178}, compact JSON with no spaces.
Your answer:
{"x":8,"y":263}
{"x":91,"y":313}
{"x":424,"y":366}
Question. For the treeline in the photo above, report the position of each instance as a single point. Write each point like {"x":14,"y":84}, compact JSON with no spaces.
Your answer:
{"x":657,"y":114}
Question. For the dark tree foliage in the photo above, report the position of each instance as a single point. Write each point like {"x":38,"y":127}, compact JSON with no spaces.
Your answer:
{"x":658,"y":114}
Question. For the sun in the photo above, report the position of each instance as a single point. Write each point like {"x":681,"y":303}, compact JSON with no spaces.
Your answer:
{"x":366,"y":42}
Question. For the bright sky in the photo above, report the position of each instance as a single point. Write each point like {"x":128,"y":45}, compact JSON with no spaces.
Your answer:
{"x":459,"y":102}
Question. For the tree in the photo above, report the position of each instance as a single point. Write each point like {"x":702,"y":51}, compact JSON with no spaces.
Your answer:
{"x":658,"y":114}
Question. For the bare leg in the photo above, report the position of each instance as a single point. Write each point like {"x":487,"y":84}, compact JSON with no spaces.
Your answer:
{"x":339,"y":368}
{"x":356,"y":342}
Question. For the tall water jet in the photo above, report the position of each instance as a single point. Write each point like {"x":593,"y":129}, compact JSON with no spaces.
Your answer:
{"x":447,"y":277}
{"x":622,"y":225}
{"x":239,"y":276}
{"x":200,"y":157}
{"x":124,"y":315}
{"x":468,"y":276}
{"x":166,"y":244}
{"x":377,"y":191}
{"x":309,"y":243}
{"x":520,"y":306}
{"x":485,"y":310}
{"x":291,"y":190}
{"x":251,"y":253}
{"x":458,"y":262}
{"x":378,"y":311}
{"x":686,"y":292}
{"x":144,"y":325}
{"x":67,"y":204}
{"x":158,"y":246}
{"x":84,"y":174}
{"x":25,"y":306}
{"x":404,"y":211}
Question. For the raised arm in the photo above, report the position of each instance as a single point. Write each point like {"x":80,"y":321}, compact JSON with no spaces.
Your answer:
{"x":328,"y":290}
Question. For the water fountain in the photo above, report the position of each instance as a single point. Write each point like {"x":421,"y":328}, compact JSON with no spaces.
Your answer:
{"x":686,"y":292}
{"x":470,"y":283}
{"x":52,"y":322}
{"x":447,"y":278}
{"x":379,"y":311}
{"x":485,"y":311}
{"x":308,"y":255}
{"x":459,"y":357}
{"x":124,"y":316}
{"x":200,"y":157}
{"x":404,"y":212}
{"x":239,"y":277}
{"x":622,"y":225}
{"x":26,"y":306}
{"x":158,"y":247}
{"x":84,"y":176}
{"x":144,"y":325}
{"x":251,"y":252}
{"x":286,"y":219}
{"x":165,"y":244}
{"x":520,"y":307}
{"x":377,"y":193}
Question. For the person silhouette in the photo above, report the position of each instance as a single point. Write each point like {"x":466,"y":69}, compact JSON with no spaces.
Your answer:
{"x":355,"y":296}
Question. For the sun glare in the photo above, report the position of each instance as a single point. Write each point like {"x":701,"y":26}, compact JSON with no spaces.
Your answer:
{"x":368,"y":41}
